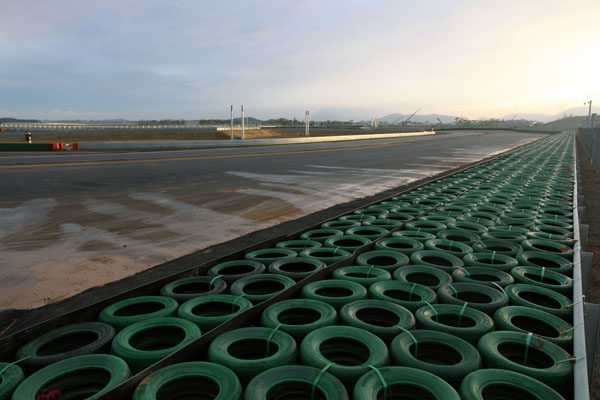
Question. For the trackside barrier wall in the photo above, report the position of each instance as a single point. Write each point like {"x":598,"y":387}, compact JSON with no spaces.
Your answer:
{"x":197,"y":349}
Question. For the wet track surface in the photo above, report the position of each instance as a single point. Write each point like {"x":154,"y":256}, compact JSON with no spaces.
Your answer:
{"x":72,"y":221}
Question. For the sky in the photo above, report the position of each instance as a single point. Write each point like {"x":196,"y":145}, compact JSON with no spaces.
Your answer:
{"x":351,"y":59}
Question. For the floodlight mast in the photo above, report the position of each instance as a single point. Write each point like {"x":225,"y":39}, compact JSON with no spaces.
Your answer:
{"x":231,"y":107}
{"x":242,"y":121}
{"x":307,"y":123}
{"x":589,"y":112}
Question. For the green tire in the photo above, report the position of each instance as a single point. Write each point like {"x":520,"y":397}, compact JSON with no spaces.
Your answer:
{"x":442,"y":354}
{"x":65,"y":342}
{"x":504,"y":384}
{"x":457,"y":249}
{"x":336,"y":292}
{"x":481,"y":297}
{"x":544,"y":362}
{"x":296,"y":268}
{"x":147,"y":342}
{"x":362,"y":274}
{"x":83,"y":377}
{"x":258,"y":288}
{"x":328,"y":255}
{"x":322,"y":234}
{"x":549,"y":261}
{"x":379,"y":317}
{"x":267,"y":256}
{"x":403,"y":383}
{"x":231,"y":271}
{"x":403,"y":245}
{"x":295,"y":382}
{"x":540,"y":323}
{"x":351,"y":350}
{"x":432,"y":227}
{"x":370,"y":232}
{"x":384,"y":259}
{"x":350,"y":243}
{"x":425,"y":275}
{"x":298,"y":317}
{"x":485,"y":276}
{"x":459,"y":235}
{"x":129,"y":311}
{"x":411,"y":296}
{"x":466,"y":323}
{"x":11,"y":378}
{"x":415,"y":235}
{"x":540,"y":298}
{"x":208,"y":312}
{"x":193,"y":286}
{"x":189,"y":380}
{"x":298,"y":244}
{"x":548,"y":246}
{"x":505,"y":247}
{"x":250,"y":351}
{"x":435,"y":258}
{"x":501,"y":262}
{"x":550,"y":279}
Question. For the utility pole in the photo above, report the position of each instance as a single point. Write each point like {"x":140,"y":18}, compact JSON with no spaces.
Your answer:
{"x":242,"y":121}
{"x":589,"y":112}
{"x":231,"y":107}
{"x":307,"y":119}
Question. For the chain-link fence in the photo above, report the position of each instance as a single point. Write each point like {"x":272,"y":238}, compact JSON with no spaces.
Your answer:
{"x":590,"y":138}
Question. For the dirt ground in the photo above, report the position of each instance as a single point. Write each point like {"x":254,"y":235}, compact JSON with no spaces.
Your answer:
{"x":141,"y":135}
{"x":591,"y":192}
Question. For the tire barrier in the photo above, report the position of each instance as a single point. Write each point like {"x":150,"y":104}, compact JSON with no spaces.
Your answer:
{"x":296,"y":268}
{"x":412,"y":296}
{"x":362,"y":274}
{"x":258,"y":288}
{"x":442,"y":354}
{"x":208,"y":312}
{"x":231,"y":271}
{"x":459,"y":235}
{"x":379,"y":317}
{"x":146,"y":342}
{"x":425,"y":226}
{"x":65,"y":342}
{"x":129,"y":311}
{"x":196,"y":379}
{"x":298,"y":317}
{"x":350,"y":350}
{"x":461,"y":321}
{"x":370,"y":232}
{"x":193,"y":286}
{"x":548,"y":246}
{"x":425,"y":275}
{"x":250,"y":351}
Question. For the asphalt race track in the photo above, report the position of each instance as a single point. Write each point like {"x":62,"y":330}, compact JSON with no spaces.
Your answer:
{"x":73,"y":221}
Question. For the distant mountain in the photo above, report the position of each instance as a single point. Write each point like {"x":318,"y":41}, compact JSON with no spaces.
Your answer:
{"x":575,"y":112}
{"x":17,"y":120}
{"x":529,"y":117}
{"x":431,"y":118}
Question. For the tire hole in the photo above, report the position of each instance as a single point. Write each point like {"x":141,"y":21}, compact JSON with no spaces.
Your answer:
{"x":334,"y":292}
{"x":436,"y":353}
{"x":473,"y":297}
{"x":344,"y":351}
{"x":540,"y":299}
{"x":215,"y":309}
{"x":403,"y":295}
{"x":252,"y":349}
{"x":67,"y":343}
{"x":515,"y":352}
{"x":298,"y":267}
{"x":198,"y":388}
{"x":378,"y":317}
{"x":262,"y":287}
{"x":405,"y":392}
{"x":159,"y":338}
{"x":294,"y":390}
{"x":423,"y":279}
{"x":139,"y":309}
{"x":298,"y":316}
{"x":505,"y":392}
{"x":534,"y":326}
{"x":437,"y":261}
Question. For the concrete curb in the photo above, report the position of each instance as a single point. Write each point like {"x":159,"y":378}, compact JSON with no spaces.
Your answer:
{"x":195,"y":144}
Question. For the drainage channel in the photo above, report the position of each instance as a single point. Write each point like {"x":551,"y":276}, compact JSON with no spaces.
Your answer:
{"x":418,"y":278}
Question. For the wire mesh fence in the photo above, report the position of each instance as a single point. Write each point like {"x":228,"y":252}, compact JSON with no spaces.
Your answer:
{"x":590,"y":138}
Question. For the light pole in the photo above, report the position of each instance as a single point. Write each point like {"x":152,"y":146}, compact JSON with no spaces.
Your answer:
{"x":231,"y":107}
{"x":589,"y":112}
{"x":242,"y":121}
{"x":307,"y":122}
